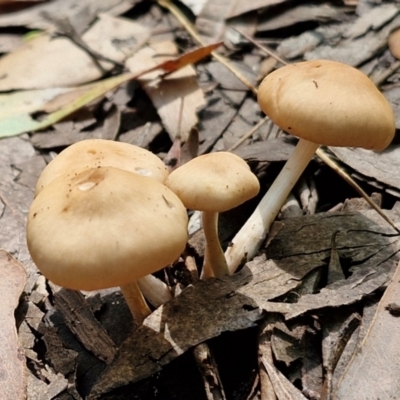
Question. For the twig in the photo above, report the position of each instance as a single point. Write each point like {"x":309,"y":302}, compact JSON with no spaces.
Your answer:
{"x":65,"y":28}
{"x":173,"y":9}
{"x":254,"y":129}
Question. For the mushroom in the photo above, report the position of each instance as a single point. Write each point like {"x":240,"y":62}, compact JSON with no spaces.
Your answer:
{"x":323,"y":103}
{"x":93,"y":153}
{"x":106,"y":227}
{"x":213,"y":183}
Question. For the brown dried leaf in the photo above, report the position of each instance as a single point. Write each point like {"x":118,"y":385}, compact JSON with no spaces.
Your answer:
{"x":382,"y":167}
{"x":375,"y":368}
{"x":169,"y":93}
{"x":13,"y":374}
{"x":284,"y":390}
{"x":374,"y":19}
{"x":359,"y":239}
{"x":241,"y":7}
{"x":81,"y":13}
{"x":40,"y":62}
{"x":80,"y":320}
{"x":300,"y":13}
{"x":200,"y":312}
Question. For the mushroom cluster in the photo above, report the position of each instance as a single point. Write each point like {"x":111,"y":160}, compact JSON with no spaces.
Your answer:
{"x":99,"y":220}
{"x":323,"y":103}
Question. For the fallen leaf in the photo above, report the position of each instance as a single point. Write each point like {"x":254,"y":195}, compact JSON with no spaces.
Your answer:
{"x":381,"y":167}
{"x":374,"y":19}
{"x":16,"y":199}
{"x":178,"y":94}
{"x":194,"y":5}
{"x":81,"y":13}
{"x":283,"y":388}
{"x":301,"y":13}
{"x":13,"y":373}
{"x":375,"y":368}
{"x":241,"y":7}
{"x":82,"y":323}
{"x":191,"y":57}
{"x":40,"y":62}
{"x":356,"y":51}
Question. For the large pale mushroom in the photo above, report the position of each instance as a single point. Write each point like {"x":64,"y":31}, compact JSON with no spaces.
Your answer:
{"x":106,"y":227}
{"x":213,"y":183}
{"x":94,"y":153}
{"x":323,"y":103}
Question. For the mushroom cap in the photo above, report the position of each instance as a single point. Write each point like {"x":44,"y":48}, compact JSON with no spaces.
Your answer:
{"x":104,"y":227}
{"x":95,"y":153}
{"x":214,"y":182}
{"x":328,"y":103}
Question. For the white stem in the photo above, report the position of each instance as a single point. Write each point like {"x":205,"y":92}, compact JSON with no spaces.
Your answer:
{"x":248,"y":240}
{"x":136,"y":302}
{"x":214,"y":259}
{"x":154,"y":290}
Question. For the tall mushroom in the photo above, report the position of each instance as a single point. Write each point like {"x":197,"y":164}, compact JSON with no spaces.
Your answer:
{"x":94,"y":153}
{"x":105,"y":227}
{"x":213,"y":183}
{"x":323,"y":103}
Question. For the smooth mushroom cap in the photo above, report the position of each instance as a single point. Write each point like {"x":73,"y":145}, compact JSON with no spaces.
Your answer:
{"x":105,"y":227}
{"x":328,"y":103}
{"x":95,"y":153}
{"x":214,"y":182}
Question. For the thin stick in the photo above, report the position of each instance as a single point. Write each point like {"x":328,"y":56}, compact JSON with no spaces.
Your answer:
{"x":328,"y":161}
{"x":192,"y":30}
{"x":264,"y":49}
{"x":254,"y":129}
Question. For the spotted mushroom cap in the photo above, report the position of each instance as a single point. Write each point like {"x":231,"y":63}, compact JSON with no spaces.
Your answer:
{"x":328,"y":103}
{"x":214,"y":182}
{"x":104,"y":227}
{"x":95,"y":153}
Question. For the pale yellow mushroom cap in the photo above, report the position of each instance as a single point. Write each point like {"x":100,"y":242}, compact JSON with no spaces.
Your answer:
{"x":214,"y":182}
{"x":104,"y":227}
{"x":95,"y":153}
{"x":328,"y":103}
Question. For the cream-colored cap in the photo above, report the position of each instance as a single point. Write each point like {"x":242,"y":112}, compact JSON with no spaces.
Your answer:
{"x":328,"y":103}
{"x":214,"y":182}
{"x":95,"y":153}
{"x":104,"y":227}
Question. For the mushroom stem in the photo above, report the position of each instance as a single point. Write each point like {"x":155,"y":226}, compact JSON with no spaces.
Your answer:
{"x":154,"y":290}
{"x":248,"y":240}
{"x":136,"y":302}
{"x":214,"y":258}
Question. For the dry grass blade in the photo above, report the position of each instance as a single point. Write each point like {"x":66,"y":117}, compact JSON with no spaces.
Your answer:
{"x":191,"y":29}
{"x":373,"y":371}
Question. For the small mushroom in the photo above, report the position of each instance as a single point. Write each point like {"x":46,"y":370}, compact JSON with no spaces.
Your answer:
{"x":323,"y":103}
{"x":213,"y":183}
{"x":106,"y":227}
{"x":93,"y":153}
